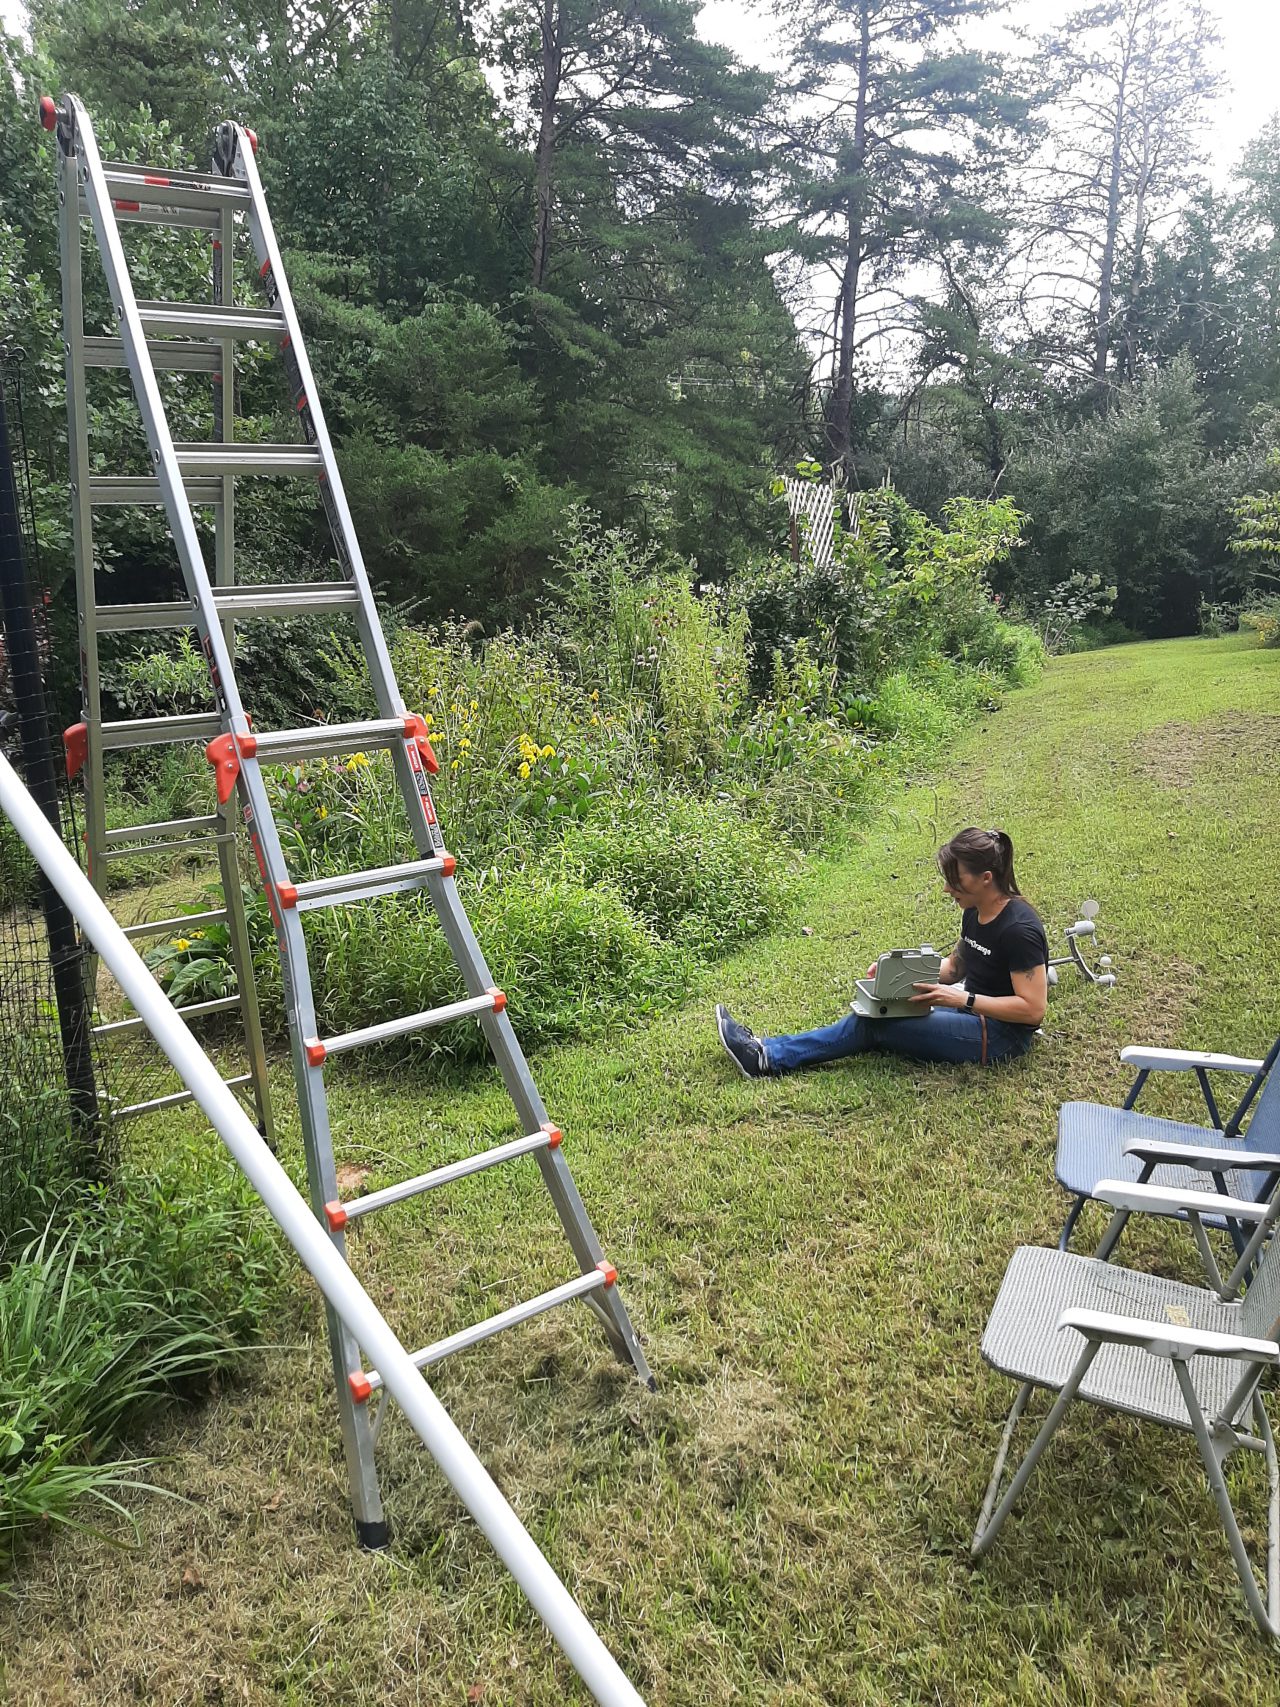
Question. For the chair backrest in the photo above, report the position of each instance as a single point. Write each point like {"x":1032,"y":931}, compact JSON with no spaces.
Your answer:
{"x":1260,"y":1306}
{"x":1261,"y":1103}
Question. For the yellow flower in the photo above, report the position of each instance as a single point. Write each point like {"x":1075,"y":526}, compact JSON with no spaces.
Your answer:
{"x":426,"y":720}
{"x":196,"y":935}
{"x":595,"y":694}
{"x":463,"y":745}
{"x":454,"y":765}
{"x":524,"y":771}
{"x":180,"y":942}
{"x":357,"y":762}
{"x":595,"y":721}
{"x":433,"y":692}
{"x":324,"y":811}
{"x":454,"y":710}
{"x":547,"y":753}
{"x":475,"y":705}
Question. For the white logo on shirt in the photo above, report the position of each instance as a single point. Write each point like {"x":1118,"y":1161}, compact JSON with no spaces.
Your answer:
{"x":981,"y":947}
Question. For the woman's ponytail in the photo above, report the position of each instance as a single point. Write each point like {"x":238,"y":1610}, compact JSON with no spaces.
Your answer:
{"x":1003,"y":869}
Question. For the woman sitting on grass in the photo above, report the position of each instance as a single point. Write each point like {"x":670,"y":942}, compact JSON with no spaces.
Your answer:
{"x":990,"y":995}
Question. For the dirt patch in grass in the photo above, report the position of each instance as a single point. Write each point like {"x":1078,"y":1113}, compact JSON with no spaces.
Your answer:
{"x":1177,"y":755}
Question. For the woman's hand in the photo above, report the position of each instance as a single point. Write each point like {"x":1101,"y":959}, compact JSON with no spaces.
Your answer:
{"x":941,"y":995}
{"x":871,"y":970}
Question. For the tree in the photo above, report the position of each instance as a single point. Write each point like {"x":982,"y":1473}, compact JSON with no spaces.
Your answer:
{"x":1133,"y":496}
{"x":624,"y":99}
{"x":652,"y":327}
{"x":1130,"y":88}
{"x":900,"y":131}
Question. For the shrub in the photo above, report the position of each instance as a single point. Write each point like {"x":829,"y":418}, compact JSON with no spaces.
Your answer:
{"x":921,"y":708}
{"x":803,"y":760}
{"x":693,"y":870}
{"x":568,"y":956}
{"x":1263,"y":617}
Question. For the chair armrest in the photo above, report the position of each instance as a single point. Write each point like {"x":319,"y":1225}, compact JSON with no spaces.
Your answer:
{"x":1211,"y":1158}
{"x":1186,"y":1061}
{"x":1164,"y":1339}
{"x":1175,"y":1200}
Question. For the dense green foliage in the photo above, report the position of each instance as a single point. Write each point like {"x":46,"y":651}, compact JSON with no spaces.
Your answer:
{"x":628,"y":786}
{"x":560,"y":253}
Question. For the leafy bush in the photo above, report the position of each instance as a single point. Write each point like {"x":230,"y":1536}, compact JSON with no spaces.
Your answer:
{"x":568,"y":956}
{"x":144,"y":1295}
{"x":897,"y":583}
{"x":1263,"y":617}
{"x":1133,"y":497}
{"x":1078,"y":603}
{"x":693,"y":870}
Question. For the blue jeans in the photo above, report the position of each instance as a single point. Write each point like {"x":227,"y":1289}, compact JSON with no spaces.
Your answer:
{"x":943,"y":1034}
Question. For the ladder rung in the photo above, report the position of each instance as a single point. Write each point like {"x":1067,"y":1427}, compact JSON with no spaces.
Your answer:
{"x":220,"y":459}
{"x":366,"y":885}
{"x":180,"y":844}
{"x":167,"y":827}
{"x":190,"y":177}
{"x":174,"y":354}
{"x":299,"y":598}
{"x":493,"y":1001}
{"x":197,"y":1010}
{"x":338,"y":1213}
{"x":181,"y":926}
{"x":585,"y":1283}
{"x":327,"y":738}
{"x":154,"y":731}
{"x":155,"y":186}
{"x":210,"y":320}
{"x":145,"y":489}
{"x":207,"y":218}
{"x":131,"y":1110}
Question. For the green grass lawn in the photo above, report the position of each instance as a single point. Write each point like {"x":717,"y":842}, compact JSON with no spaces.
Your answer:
{"x":810,"y":1262}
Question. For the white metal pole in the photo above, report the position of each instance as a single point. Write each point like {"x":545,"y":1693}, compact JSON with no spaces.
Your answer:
{"x":466,"y":1475}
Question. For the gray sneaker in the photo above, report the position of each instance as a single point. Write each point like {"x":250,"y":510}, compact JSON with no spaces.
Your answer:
{"x":741,"y":1043}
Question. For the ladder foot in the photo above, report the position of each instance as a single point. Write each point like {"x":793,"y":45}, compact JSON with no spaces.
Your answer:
{"x":652,"y":1383}
{"x":373,"y":1537}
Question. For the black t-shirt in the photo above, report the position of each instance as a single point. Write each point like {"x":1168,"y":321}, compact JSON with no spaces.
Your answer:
{"x":1014,"y":941}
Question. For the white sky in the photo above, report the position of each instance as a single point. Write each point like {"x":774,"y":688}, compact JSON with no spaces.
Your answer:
{"x":1250,"y":53}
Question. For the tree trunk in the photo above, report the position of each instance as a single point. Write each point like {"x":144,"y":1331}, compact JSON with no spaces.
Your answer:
{"x":1106,"y":271}
{"x":553,"y":30}
{"x":840,"y":421}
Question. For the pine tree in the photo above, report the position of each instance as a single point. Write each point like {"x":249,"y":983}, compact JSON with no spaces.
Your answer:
{"x":899,"y":128}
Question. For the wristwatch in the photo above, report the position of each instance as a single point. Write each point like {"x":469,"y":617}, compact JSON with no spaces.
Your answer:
{"x":970,"y":1000}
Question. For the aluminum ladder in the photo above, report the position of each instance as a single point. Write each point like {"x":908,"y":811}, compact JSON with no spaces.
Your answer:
{"x":187,"y":476}
{"x":89,"y":742}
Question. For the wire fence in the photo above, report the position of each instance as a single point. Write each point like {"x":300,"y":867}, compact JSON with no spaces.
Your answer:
{"x":53,"y":1100}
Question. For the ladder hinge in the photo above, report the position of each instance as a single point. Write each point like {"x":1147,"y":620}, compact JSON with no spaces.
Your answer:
{"x":76,"y":741}
{"x":415,"y":729}
{"x":223,"y":753}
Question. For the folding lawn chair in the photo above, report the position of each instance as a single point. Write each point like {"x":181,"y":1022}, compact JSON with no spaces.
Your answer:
{"x":1157,"y":1349}
{"x":1097,"y":1143}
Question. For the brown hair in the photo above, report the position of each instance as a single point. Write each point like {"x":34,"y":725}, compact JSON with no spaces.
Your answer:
{"x":979,"y":851}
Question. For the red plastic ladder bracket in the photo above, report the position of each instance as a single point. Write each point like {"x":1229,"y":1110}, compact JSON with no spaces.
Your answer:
{"x":76,"y":742}
{"x":224,"y":753}
{"x":415,"y":730}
